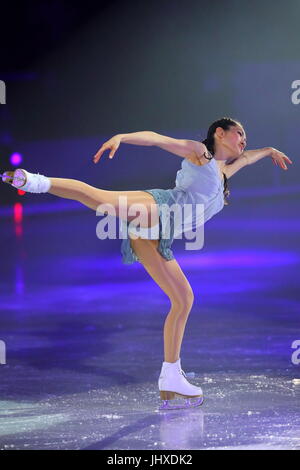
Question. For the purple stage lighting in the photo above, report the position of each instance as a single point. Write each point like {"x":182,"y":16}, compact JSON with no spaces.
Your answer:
{"x":16,"y":159}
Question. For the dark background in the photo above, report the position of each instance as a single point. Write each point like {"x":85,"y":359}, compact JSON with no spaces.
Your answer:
{"x":79,"y":72}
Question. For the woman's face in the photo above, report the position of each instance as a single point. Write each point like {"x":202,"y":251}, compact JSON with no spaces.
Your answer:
{"x":238,"y":138}
{"x":233,"y":140}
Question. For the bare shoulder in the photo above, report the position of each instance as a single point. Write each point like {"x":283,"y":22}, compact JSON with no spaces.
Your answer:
{"x":186,"y":148}
{"x":233,"y":167}
{"x":199,"y":154}
{"x":196,"y":152}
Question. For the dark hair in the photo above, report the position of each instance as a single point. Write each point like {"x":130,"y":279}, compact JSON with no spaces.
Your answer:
{"x":209,"y":142}
{"x":225,"y":123}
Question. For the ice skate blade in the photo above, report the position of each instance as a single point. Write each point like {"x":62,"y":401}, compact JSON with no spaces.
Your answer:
{"x":17,"y":178}
{"x":166,"y":395}
{"x":188,"y":403}
{"x":7,"y":177}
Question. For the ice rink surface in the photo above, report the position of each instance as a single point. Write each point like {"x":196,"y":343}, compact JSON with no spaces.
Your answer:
{"x":83,"y":337}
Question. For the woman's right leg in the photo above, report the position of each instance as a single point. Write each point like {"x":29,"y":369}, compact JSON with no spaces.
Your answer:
{"x":92,"y":197}
{"x":119,"y":202}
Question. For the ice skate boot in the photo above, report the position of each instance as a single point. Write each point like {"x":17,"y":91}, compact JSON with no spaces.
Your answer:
{"x":29,"y":182}
{"x":172,"y":383}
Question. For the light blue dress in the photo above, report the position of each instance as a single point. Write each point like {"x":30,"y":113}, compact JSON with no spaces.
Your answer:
{"x":194,"y":185}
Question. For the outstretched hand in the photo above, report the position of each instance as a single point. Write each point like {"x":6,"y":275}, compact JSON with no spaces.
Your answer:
{"x":279,"y":158}
{"x":112,"y":144}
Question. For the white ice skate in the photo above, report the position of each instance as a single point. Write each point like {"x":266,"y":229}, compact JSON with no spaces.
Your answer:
{"x":172,"y":383}
{"x":29,"y":182}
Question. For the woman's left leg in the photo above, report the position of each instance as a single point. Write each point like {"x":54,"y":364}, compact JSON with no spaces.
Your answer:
{"x":170,"y":278}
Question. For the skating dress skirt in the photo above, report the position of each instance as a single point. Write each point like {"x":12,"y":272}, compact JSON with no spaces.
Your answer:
{"x":195,"y":184}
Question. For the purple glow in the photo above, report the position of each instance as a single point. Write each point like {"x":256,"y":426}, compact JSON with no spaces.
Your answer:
{"x":19,"y":280}
{"x":241,"y":259}
{"x":16,"y":159}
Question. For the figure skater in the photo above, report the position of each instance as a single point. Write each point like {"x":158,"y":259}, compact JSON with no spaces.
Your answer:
{"x":205,"y":169}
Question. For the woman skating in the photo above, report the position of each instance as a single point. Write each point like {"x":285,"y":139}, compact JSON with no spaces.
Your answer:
{"x":202,"y":180}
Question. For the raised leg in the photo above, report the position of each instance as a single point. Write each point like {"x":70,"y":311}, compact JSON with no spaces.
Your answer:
{"x":118,"y":203}
{"x":92,"y":197}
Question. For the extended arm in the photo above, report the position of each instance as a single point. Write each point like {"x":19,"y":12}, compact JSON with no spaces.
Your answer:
{"x":184,"y":148}
{"x":252,"y":156}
